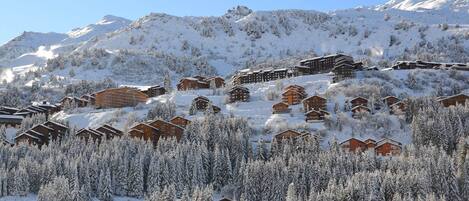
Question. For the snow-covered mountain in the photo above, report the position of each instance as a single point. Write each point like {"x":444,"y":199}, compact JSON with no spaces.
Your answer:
{"x":428,"y":5}
{"x":36,"y":48}
{"x":158,"y":44}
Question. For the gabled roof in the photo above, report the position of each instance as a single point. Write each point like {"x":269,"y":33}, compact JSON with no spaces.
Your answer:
{"x":56,"y":124}
{"x":360,"y":107}
{"x":350,"y":139}
{"x":239,"y":88}
{"x":289,"y":130}
{"x":179,"y":117}
{"x":165,"y":122}
{"x":280,"y":103}
{"x":357,"y":98}
{"x":388,"y":140}
{"x":315,"y":96}
{"x":291,"y":90}
{"x":454,"y":96}
{"x":145,"y":125}
{"x":388,"y":97}
{"x":202,"y":98}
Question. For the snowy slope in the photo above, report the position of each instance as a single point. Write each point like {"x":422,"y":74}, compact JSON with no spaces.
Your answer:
{"x":426,"y":5}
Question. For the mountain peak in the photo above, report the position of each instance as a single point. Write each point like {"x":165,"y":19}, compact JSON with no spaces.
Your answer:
{"x":238,"y":12}
{"x":111,"y":18}
{"x":425,"y":5}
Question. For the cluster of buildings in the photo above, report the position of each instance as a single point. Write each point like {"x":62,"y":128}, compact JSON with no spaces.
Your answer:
{"x":200,"y":82}
{"x":384,"y":147}
{"x":12,"y":117}
{"x":159,"y":129}
{"x":405,"y":65}
{"x":343,"y":67}
{"x":42,"y":134}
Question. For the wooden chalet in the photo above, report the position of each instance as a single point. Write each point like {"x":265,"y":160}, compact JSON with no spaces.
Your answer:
{"x":155,"y":91}
{"x":280,"y":108}
{"x":459,"y":99}
{"x":109,"y":131}
{"x":73,"y":101}
{"x":353,"y":145}
{"x":359,"y":101}
{"x":202,"y":103}
{"x":11,"y":120}
{"x":390,"y":100}
{"x":145,"y":132}
{"x":359,"y":110}
{"x":314,"y":103}
{"x":180,"y":121}
{"x":120,"y":97}
{"x":388,"y":147}
{"x":293,"y":95}
{"x":289,"y":135}
{"x":239,"y":93}
{"x":191,"y":84}
{"x":167,"y":130}
{"x":88,"y":135}
{"x":97,"y":135}
{"x":42,"y":134}
{"x":315,"y":115}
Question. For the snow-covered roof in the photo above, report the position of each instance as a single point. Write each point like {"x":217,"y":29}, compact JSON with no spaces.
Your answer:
{"x":388,"y":140}
{"x":11,"y":117}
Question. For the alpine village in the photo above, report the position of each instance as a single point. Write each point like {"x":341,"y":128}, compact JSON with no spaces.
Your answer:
{"x":105,"y":121}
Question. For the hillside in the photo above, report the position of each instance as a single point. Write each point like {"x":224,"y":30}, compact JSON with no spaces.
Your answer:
{"x":181,"y":46}
{"x":258,"y":111}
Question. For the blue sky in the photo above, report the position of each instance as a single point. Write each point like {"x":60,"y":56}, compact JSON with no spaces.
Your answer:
{"x":17,"y":16}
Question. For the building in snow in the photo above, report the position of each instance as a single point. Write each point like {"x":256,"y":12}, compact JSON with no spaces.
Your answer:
{"x":42,"y":134}
{"x":201,"y":103}
{"x":154,"y":91}
{"x":293,"y":95}
{"x":314,"y":103}
{"x":167,"y":130}
{"x":180,"y":121}
{"x":359,"y":101}
{"x":145,"y":132}
{"x":316,"y":115}
{"x":388,"y":147}
{"x":390,"y":100}
{"x":459,"y":99}
{"x":280,"y":108}
{"x":200,"y":82}
{"x":120,"y":97}
{"x":238,"y":93}
{"x":257,"y":76}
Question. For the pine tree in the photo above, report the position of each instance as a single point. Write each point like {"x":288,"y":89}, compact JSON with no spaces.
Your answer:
{"x":21,"y":182}
{"x":105,"y":190}
{"x":291,"y":193}
{"x":135,"y":178}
